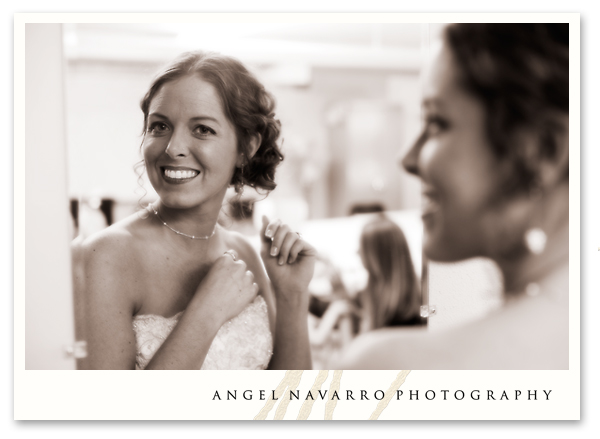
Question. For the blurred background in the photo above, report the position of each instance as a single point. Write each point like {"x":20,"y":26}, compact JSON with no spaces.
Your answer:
{"x":347,"y":96}
{"x":348,"y":100}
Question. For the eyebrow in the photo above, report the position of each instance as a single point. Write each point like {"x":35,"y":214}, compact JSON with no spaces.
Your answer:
{"x":432,"y":102}
{"x":162,"y":116}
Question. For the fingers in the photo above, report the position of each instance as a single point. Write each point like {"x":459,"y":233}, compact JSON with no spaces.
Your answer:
{"x":280,"y":242}
{"x":288,"y":242}
{"x":233,"y":254}
{"x":281,"y":233}
{"x":295,"y":250}
{"x":250,"y":284}
{"x":270,"y":228}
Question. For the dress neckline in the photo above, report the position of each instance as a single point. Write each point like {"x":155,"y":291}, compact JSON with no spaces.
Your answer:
{"x":175,"y":316}
{"x":140,"y":316}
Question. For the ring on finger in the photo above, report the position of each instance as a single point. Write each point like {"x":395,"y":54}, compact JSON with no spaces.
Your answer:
{"x":232,"y":254}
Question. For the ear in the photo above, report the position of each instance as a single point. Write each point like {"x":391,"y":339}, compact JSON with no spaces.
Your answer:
{"x":253,"y":146}
{"x":553,"y":170}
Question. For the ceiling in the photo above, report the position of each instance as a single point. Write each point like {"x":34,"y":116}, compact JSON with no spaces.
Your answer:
{"x":353,"y":45}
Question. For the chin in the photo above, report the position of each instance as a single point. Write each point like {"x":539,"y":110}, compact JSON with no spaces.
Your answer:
{"x":177,"y":201}
{"x":440,"y":250}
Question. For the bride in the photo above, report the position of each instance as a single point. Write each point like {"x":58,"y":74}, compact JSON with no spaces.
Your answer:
{"x":493,"y":159}
{"x":169,"y":288}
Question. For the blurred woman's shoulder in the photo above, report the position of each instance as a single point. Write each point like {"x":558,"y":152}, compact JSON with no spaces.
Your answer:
{"x":531,"y":334}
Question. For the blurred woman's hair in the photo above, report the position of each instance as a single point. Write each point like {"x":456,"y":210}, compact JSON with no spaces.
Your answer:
{"x":246,"y":103}
{"x":392,"y":296}
{"x":520,"y":73}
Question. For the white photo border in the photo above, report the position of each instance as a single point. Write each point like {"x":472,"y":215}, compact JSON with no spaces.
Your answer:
{"x":189,"y":395}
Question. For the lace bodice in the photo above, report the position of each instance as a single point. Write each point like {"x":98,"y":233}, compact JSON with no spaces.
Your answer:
{"x":244,"y":342}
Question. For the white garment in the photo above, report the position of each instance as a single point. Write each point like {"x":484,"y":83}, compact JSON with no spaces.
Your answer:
{"x":244,"y":342}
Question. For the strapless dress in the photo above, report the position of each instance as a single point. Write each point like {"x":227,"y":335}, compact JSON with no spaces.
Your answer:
{"x":244,"y":342}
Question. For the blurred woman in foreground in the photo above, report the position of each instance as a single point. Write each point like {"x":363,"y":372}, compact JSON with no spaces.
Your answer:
{"x":493,"y":158}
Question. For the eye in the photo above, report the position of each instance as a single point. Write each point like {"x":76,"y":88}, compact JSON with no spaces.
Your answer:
{"x":158,"y":128}
{"x":434,"y":125}
{"x":203,"y":130}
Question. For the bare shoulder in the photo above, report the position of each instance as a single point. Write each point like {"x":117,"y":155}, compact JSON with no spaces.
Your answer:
{"x":386,"y":349}
{"x":110,"y":262}
{"x":109,"y":247}
{"x":241,"y":245}
{"x":107,"y":275}
{"x":113,"y":246}
{"x":530,"y":335}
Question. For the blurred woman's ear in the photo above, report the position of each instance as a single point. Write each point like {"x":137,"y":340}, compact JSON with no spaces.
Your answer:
{"x":553,"y":171}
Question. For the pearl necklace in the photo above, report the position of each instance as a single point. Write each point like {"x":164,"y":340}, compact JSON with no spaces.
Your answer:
{"x":177,"y":231}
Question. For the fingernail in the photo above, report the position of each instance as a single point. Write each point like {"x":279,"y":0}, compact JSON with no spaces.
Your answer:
{"x":281,"y":261}
{"x":268,"y":233}
{"x":274,"y":251}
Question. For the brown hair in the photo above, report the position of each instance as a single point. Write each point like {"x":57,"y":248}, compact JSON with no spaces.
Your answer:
{"x":392,"y":295}
{"x":520,"y":72}
{"x":246,"y":103}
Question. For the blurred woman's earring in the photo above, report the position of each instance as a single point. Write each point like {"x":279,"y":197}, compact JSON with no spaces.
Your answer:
{"x":535,"y":240}
{"x":535,"y":237}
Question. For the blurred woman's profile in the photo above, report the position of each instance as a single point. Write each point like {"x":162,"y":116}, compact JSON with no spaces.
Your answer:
{"x":493,"y":161}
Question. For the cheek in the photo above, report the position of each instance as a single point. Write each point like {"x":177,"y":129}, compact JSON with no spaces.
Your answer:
{"x":464,"y":176}
{"x":152,"y":149}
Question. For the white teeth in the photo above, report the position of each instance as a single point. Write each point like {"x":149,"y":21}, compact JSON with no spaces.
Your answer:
{"x":180,"y":174}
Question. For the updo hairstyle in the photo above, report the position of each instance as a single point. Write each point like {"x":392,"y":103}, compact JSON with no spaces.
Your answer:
{"x":247,"y":105}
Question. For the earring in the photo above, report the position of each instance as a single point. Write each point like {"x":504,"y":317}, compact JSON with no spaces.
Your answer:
{"x":535,"y":240}
{"x":239,"y":184}
{"x":535,"y":237}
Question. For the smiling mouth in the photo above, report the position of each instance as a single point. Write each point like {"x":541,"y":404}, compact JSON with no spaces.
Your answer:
{"x":429,"y":204}
{"x":180,"y":175}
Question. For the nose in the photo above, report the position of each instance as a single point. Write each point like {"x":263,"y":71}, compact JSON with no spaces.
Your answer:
{"x":410,"y":160}
{"x":177,"y":146}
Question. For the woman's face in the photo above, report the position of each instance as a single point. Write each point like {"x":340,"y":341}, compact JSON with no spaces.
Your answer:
{"x":190,"y":147}
{"x":454,"y":160}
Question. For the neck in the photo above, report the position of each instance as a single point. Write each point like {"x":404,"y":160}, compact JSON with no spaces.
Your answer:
{"x":198,"y":222}
{"x":531,"y":268}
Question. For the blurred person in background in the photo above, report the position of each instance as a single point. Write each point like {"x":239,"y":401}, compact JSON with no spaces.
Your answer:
{"x":493,"y":159}
{"x":391,"y":297}
{"x":167,"y":288}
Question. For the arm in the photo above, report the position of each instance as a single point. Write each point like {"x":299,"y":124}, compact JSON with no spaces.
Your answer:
{"x":289,"y":262}
{"x":106,"y":305}
{"x":111,"y":275}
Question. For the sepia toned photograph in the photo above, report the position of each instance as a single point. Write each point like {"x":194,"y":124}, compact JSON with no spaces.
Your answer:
{"x":250,"y":196}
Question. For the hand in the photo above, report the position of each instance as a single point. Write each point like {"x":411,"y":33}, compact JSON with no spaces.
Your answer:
{"x":289,"y":260}
{"x":227,"y":288}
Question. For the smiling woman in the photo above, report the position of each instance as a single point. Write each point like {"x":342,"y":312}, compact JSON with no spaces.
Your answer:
{"x":493,"y":159}
{"x":168,"y":288}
